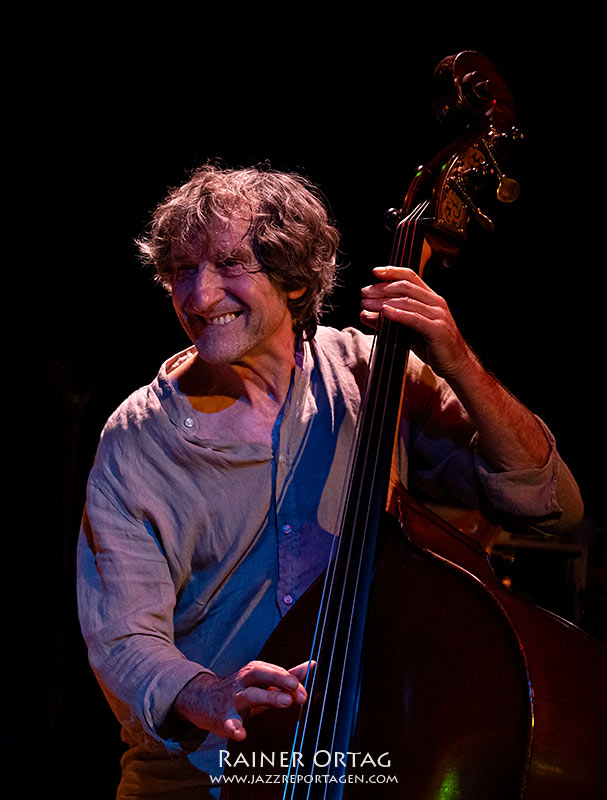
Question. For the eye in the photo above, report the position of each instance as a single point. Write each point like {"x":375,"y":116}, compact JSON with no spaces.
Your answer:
{"x":182,"y":272}
{"x":231,"y":266}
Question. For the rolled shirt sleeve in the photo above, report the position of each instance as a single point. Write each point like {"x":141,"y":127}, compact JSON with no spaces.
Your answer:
{"x":126,"y":600}
{"x":443,"y":464}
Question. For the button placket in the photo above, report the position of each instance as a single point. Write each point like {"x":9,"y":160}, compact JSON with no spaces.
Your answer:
{"x":286,"y":444}
{"x":286,"y":526}
{"x":287,"y":548}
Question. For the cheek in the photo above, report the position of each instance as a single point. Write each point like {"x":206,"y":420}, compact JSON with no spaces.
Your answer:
{"x":178,"y":307}
{"x":178,"y":298}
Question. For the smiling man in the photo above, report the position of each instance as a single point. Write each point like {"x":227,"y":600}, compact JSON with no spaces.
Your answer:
{"x":215,"y":491}
{"x":240,"y":323}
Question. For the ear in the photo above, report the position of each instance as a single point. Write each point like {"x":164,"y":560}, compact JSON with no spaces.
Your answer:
{"x":295,"y":293}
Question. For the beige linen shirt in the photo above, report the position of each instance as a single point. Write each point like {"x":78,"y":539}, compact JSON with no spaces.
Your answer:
{"x":192,"y":549}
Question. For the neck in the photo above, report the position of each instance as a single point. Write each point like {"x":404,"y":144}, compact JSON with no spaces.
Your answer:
{"x":257,"y":381}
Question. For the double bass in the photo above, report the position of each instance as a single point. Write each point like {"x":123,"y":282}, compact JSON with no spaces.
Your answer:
{"x":431,"y":681}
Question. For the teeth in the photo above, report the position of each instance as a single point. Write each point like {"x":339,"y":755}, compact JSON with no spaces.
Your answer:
{"x":223,"y":320}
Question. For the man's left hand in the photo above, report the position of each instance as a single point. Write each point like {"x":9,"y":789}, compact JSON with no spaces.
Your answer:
{"x":403,"y":296}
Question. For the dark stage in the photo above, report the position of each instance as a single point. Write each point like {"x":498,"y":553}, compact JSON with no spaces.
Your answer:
{"x":529,"y":297}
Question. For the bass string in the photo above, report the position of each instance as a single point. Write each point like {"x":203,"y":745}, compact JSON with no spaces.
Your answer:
{"x":404,"y":248}
{"x":321,"y":621}
{"x":403,"y":253}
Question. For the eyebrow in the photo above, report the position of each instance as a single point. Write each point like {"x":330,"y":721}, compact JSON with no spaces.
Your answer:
{"x":236,"y":252}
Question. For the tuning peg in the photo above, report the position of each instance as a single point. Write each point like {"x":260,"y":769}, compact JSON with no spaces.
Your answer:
{"x":457,"y":184}
{"x":476,"y":176}
{"x":508,"y":189}
{"x":478,"y":91}
{"x":513,"y":135}
{"x":391,"y":218}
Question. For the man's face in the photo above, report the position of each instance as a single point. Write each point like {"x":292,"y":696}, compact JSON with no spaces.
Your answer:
{"x":229,"y":316}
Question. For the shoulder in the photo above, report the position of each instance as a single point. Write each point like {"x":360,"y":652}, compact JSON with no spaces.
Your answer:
{"x":141,"y":427}
{"x":348,"y":346}
{"x":150,"y":403}
{"x":132,"y":414}
{"x":352,"y":349}
{"x":348,"y":342}
{"x":126,"y":440}
{"x":343,"y":355}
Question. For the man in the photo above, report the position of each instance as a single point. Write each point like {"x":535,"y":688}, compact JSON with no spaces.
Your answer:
{"x":215,"y":491}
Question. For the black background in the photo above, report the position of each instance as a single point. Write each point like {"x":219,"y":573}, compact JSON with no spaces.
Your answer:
{"x":108,"y":122}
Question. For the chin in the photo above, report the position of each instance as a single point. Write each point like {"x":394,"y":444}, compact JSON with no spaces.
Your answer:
{"x":221,"y":352}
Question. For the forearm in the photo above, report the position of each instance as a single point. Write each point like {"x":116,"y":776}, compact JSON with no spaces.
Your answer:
{"x":512,"y":458}
{"x":444,"y":460}
{"x":509,"y":435}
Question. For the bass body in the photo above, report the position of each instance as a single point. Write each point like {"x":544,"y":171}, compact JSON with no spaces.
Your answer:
{"x":432,"y":682}
{"x":466,"y":691}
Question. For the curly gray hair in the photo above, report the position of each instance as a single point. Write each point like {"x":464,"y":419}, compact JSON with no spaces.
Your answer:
{"x":291,"y":235}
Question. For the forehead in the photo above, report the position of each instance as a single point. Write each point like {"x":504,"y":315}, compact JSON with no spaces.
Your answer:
{"x":218,"y":240}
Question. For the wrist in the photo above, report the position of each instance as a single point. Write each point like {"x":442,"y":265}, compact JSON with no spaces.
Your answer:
{"x":187,"y":704}
{"x":464,"y":374}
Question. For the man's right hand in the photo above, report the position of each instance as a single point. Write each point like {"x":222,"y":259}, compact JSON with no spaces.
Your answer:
{"x":218,"y":704}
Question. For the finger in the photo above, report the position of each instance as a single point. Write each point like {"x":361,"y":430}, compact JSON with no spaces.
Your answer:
{"x":404,"y":303}
{"x":369,"y":318}
{"x":260,"y":673}
{"x":234,"y":729}
{"x":401,"y":288}
{"x":415,"y":322}
{"x":417,"y":316}
{"x":392,"y":273}
{"x":254,"y":697}
{"x":418,"y":322}
{"x":301,"y":671}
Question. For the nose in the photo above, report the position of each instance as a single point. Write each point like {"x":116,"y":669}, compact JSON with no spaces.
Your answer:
{"x":206,"y":289}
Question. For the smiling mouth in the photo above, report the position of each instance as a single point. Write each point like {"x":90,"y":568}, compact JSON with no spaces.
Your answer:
{"x":224,"y":319}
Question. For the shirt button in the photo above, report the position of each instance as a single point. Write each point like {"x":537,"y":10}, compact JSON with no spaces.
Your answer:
{"x":288,"y":599}
{"x":188,"y":422}
{"x":286,"y":529}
